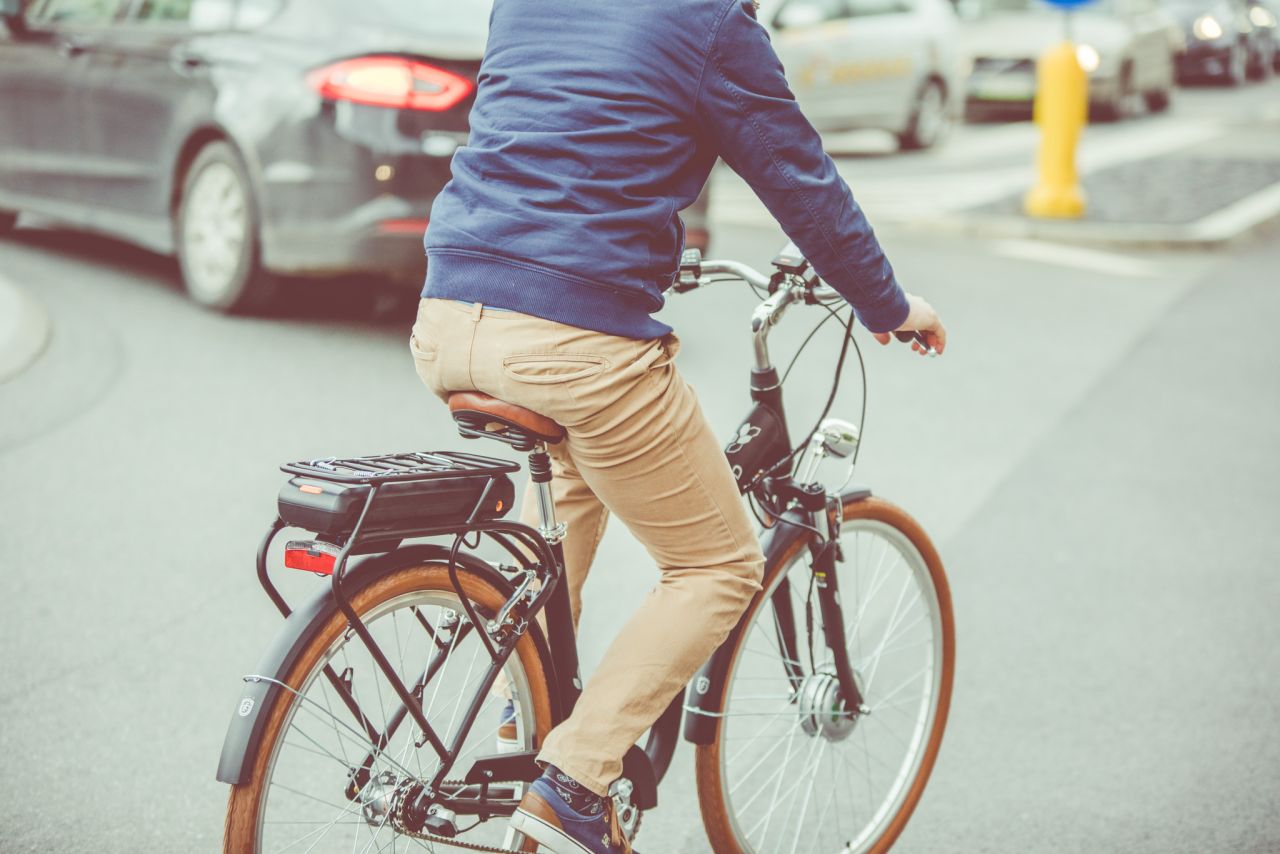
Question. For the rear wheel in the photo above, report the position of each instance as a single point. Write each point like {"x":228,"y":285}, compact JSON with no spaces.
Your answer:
{"x":1122,"y":105}
{"x":1264,"y":63}
{"x":930,"y":118}
{"x":1237,"y":73}
{"x":297,"y":796}
{"x":217,"y":232}
{"x":1158,"y":100}
{"x":790,"y":770}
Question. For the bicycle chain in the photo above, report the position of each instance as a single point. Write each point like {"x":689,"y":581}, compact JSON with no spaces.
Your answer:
{"x":399,"y":826}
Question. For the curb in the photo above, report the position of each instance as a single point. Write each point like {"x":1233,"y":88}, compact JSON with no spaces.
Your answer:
{"x":1238,"y":221}
{"x":24,"y":330}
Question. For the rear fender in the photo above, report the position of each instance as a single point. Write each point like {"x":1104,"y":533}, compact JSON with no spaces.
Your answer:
{"x":245,"y":732}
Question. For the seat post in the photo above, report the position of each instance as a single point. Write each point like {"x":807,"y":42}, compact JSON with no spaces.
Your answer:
{"x":540,"y":473}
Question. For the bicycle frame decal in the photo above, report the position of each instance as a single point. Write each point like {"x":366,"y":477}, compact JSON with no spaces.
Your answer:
{"x":760,"y":442}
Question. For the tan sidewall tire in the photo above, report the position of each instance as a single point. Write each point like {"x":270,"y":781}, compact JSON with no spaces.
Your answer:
{"x":707,"y":760}
{"x":244,"y":802}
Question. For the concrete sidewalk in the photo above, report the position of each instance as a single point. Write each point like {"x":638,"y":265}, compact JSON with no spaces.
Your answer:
{"x":24,"y":330}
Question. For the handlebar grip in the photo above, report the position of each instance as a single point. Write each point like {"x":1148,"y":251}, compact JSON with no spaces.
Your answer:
{"x":918,"y":337}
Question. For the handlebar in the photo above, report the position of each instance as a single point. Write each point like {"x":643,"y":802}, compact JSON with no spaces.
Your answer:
{"x":793,"y":281}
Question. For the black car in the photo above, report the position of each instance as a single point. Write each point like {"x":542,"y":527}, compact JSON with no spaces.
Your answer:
{"x":1223,"y":43}
{"x":248,"y":137}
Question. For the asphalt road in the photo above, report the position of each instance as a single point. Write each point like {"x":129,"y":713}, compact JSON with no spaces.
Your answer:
{"x":1094,"y":457}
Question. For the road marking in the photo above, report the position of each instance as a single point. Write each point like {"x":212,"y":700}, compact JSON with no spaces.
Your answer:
{"x":1247,"y":213}
{"x":1093,"y":260}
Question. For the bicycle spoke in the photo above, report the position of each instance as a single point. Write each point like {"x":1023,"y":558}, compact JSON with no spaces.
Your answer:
{"x":307,"y":811}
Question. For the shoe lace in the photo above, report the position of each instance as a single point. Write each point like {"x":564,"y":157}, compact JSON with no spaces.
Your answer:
{"x":616,"y":836}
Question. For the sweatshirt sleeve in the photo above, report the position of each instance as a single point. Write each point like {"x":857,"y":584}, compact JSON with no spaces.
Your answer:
{"x":745,"y":107}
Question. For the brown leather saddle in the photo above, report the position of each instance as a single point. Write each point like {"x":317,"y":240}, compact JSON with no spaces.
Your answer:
{"x":480,"y":415}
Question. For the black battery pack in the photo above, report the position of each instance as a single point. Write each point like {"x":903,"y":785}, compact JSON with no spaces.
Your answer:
{"x":417,"y":493}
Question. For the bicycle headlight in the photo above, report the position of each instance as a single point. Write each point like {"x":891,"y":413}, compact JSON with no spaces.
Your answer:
{"x":1207,"y":28}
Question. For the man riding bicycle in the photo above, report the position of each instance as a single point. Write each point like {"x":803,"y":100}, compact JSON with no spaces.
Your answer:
{"x":549,"y":250}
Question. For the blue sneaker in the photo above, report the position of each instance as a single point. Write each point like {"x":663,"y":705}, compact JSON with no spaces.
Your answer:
{"x":548,"y":816}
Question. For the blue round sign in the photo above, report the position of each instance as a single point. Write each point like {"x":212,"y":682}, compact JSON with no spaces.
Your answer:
{"x":1068,"y":4}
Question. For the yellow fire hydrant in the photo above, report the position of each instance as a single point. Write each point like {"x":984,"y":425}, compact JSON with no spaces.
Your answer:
{"x":1061,"y":110}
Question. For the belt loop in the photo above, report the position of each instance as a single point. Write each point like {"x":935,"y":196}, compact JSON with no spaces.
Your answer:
{"x":477,"y":311}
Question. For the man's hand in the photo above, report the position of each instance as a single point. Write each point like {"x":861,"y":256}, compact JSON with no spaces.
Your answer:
{"x":923,"y":319}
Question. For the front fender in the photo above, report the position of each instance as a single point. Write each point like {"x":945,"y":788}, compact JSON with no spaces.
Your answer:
{"x":244,"y":733}
{"x":704,"y":697}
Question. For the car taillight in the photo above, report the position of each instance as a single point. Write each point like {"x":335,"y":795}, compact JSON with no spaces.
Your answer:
{"x":310,"y":556}
{"x":390,"y":81}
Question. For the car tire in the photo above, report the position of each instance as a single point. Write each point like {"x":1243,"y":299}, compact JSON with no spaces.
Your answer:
{"x":1237,"y":73}
{"x":1158,"y":100}
{"x":217,"y":235}
{"x":8,"y":219}
{"x":930,"y":118}
{"x":1121,"y":105}
{"x":1264,"y":64}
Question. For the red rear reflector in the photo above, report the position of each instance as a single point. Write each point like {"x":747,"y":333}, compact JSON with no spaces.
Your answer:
{"x":390,"y":81}
{"x":310,"y":489}
{"x":310,"y":556}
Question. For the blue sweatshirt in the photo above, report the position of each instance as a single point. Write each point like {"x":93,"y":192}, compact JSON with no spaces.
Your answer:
{"x":595,"y":121}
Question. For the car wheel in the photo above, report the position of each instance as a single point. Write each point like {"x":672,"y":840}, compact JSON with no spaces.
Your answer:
{"x":1121,"y":105}
{"x":8,"y":219}
{"x":930,"y":118}
{"x":1158,"y":100}
{"x":217,"y":234}
{"x":1266,"y":63}
{"x":1237,"y":65}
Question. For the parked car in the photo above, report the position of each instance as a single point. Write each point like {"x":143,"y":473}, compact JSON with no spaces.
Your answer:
{"x":1223,"y":42}
{"x":884,"y":64}
{"x":1126,"y":46}
{"x":1264,"y":15}
{"x":248,"y":137}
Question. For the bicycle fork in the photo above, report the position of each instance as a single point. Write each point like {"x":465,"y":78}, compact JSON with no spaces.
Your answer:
{"x":825,"y":555}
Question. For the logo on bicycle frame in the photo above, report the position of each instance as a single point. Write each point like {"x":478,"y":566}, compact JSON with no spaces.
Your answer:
{"x":746,"y":433}
{"x":246,"y":706}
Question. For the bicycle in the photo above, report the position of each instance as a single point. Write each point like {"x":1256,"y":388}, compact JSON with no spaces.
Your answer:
{"x":358,"y":731}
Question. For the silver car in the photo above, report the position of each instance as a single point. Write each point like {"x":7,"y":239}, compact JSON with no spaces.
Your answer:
{"x":1127,"y":47}
{"x":886,"y":64}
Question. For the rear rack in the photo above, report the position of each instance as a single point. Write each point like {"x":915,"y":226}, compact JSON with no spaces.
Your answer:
{"x":410,"y":465}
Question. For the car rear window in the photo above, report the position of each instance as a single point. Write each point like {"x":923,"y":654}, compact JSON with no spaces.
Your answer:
{"x":467,"y":16}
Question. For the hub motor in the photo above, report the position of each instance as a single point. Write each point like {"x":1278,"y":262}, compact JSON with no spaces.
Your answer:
{"x":822,"y":710}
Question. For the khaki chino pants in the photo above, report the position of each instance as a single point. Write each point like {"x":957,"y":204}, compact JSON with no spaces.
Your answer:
{"x":639,"y":447}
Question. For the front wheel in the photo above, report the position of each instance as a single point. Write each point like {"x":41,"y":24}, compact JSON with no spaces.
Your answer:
{"x":790,"y":769}
{"x":217,"y":234}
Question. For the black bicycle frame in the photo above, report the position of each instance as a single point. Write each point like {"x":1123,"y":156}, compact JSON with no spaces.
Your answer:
{"x":758,"y":452}
{"x":766,"y":449}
